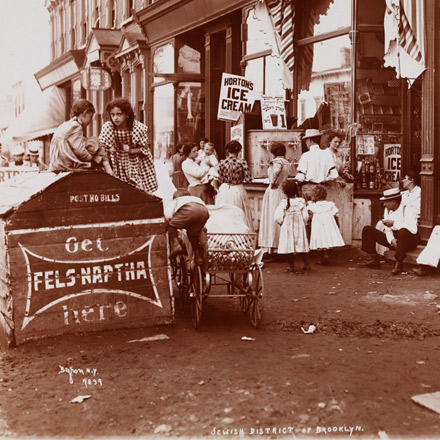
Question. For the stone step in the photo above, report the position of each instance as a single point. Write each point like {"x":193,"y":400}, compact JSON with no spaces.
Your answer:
{"x":411,"y":256}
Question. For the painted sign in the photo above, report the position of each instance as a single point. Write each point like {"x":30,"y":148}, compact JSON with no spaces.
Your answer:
{"x":273,"y":112}
{"x":95,"y":78}
{"x":8,"y":172}
{"x":392,"y":162}
{"x":236,"y":97}
{"x":90,"y":274}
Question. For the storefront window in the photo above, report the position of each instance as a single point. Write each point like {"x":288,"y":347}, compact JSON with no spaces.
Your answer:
{"x":190,"y":111}
{"x":189,"y":60}
{"x":163,"y":60}
{"x":163,"y":121}
{"x":263,"y":65}
{"x":328,"y":98}
{"x":379,"y":115}
{"x":337,"y":16}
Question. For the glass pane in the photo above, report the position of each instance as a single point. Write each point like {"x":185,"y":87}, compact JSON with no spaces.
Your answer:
{"x":163,"y":61}
{"x":336,"y":17}
{"x":163,"y":99}
{"x":190,"y":111}
{"x":379,"y":114}
{"x":327,"y":102}
{"x":273,"y":77}
{"x":255,"y":72}
{"x":378,"y":91}
{"x":189,"y":60}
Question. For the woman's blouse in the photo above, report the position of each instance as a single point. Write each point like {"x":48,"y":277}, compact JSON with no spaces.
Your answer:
{"x":234,"y":171}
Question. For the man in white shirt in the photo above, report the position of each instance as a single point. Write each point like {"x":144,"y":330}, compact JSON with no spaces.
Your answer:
{"x":315,"y":165}
{"x":400,"y":232}
{"x":412,"y":196}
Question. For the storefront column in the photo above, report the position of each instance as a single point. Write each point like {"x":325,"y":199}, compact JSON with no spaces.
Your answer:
{"x":430,"y":124}
{"x":208,"y":83}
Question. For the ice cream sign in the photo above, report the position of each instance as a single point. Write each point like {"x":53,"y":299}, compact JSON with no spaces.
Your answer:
{"x":236,"y":97}
{"x":392,"y":162}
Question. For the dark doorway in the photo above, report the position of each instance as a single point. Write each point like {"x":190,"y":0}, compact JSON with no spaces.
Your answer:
{"x":218,"y":66}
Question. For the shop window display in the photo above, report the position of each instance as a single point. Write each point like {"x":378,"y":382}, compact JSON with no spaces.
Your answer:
{"x":326,"y":103}
{"x":163,"y":121}
{"x":190,"y":111}
{"x":379,"y":115}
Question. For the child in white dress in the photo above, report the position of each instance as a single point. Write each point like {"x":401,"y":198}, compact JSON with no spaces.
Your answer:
{"x":325,"y":232}
{"x":292,"y":215}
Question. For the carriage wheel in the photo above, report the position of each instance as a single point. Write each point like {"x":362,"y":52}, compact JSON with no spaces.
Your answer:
{"x":255,"y":296}
{"x":182,"y":282}
{"x":196,"y":296}
{"x":239,"y":279}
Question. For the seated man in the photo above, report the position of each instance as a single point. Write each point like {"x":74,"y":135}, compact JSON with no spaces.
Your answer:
{"x":400,"y":232}
{"x":190,"y":213}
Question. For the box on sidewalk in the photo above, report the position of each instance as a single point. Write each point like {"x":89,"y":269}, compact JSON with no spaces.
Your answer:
{"x":80,"y":251}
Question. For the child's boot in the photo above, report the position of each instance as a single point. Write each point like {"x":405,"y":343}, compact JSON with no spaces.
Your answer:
{"x":306,"y":266}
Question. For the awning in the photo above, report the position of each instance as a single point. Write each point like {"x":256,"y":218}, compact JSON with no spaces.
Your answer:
{"x":42,"y":117}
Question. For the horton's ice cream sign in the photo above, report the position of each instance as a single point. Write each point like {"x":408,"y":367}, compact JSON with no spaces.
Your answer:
{"x":236,"y":96}
{"x":392,"y":162}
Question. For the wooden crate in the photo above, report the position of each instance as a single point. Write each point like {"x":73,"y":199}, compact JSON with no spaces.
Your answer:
{"x":80,"y":251}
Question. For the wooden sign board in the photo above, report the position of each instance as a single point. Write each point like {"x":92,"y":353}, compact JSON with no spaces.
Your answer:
{"x":89,"y":252}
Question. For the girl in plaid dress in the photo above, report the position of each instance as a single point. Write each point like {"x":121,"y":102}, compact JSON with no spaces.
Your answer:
{"x":126,"y":141}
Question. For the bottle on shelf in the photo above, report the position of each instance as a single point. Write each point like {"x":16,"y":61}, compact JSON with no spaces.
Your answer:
{"x":363,"y":175}
{"x":372,"y":176}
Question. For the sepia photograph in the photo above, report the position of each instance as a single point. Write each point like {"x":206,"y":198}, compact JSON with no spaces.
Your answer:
{"x":219,"y":219}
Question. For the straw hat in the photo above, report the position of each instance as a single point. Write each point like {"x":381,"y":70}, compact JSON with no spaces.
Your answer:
{"x":34,"y":151}
{"x":311,"y":133}
{"x":390,"y":194}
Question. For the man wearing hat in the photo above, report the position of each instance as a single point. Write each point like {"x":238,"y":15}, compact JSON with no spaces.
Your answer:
{"x":18,"y":155}
{"x":4,"y":162}
{"x":315,"y":165}
{"x":400,"y":232}
{"x":34,"y":156}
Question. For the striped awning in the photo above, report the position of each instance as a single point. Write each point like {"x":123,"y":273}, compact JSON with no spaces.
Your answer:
{"x":282,"y":13}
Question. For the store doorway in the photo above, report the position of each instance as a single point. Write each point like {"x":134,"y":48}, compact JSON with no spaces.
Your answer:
{"x":217,"y":129}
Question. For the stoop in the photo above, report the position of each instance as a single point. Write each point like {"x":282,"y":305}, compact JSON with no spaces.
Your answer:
{"x":411,"y":256}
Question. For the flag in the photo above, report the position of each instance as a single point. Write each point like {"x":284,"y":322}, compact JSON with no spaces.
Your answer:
{"x":282,"y":14}
{"x":402,"y":51}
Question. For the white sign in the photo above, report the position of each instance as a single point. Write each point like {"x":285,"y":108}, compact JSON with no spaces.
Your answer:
{"x":7,"y":172}
{"x":273,"y":112}
{"x":364,"y":144}
{"x":391,"y":162}
{"x":236,"y":97}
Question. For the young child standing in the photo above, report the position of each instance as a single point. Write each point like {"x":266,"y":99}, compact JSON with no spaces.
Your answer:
{"x":292,"y":215}
{"x":325,"y":232}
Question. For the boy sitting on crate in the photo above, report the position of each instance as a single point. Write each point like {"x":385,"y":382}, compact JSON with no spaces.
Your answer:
{"x":190,"y":213}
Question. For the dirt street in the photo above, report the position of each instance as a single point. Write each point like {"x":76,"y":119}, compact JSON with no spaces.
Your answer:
{"x":376,"y":344}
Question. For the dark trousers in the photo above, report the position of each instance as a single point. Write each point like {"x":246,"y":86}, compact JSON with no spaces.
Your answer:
{"x":191,"y":217}
{"x":405,"y":241}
